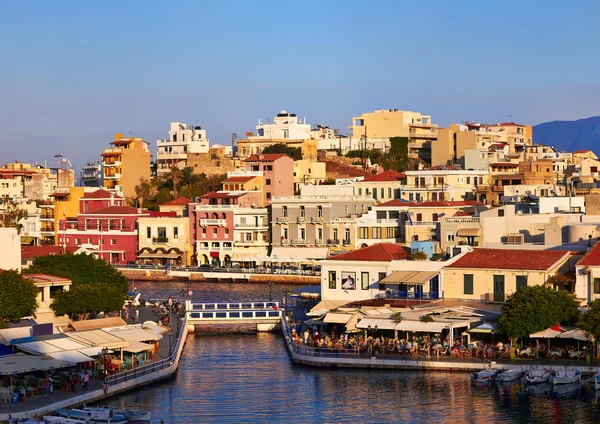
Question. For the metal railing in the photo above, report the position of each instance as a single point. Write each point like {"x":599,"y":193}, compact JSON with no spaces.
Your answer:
{"x":160,"y":239}
{"x":153,"y":367}
{"x":235,"y":315}
{"x":234,"y":305}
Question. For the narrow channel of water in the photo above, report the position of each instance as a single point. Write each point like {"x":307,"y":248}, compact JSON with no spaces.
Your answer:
{"x":249,"y":378}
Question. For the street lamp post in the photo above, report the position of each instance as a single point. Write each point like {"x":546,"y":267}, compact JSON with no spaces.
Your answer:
{"x":270,"y":291}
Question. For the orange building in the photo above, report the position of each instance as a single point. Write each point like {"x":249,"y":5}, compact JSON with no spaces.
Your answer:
{"x":125,"y":164}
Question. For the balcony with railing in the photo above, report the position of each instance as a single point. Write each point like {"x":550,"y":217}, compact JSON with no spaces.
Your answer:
{"x":333,"y":241}
{"x":346,"y":242}
{"x":319,"y":242}
{"x":207,"y":222}
{"x":282,"y":219}
{"x":300,"y":219}
{"x":160,"y":239}
{"x":285,"y":242}
{"x":316,"y":219}
{"x":299,"y":242}
{"x":464,"y":220}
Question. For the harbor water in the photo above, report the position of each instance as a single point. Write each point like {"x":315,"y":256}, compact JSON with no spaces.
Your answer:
{"x":237,"y":377}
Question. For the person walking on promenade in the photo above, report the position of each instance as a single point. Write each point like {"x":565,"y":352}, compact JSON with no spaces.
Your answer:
{"x":86,"y":379}
{"x":137,"y":315}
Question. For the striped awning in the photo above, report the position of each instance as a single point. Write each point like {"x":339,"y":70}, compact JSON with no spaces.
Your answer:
{"x":469,"y":232}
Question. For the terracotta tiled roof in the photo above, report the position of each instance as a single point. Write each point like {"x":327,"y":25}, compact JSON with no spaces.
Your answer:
{"x":29,"y":252}
{"x":60,"y":194}
{"x":517,"y":259}
{"x":267,"y":157}
{"x":389,"y":175}
{"x":333,"y":167}
{"x":180,"y":201}
{"x":116,"y":210}
{"x":582,"y":151}
{"x":378,"y":252}
{"x":238,"y":179}
{"x":221,"y":195}
{"x":507,"y":124}
{"x":101,"y":194}
{"x":591,"y":258}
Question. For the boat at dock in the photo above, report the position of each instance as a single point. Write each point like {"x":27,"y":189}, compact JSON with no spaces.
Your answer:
{"x":566,"y":377}
{"x":484,"y":376}
{"x":95,"y":416}
{"x":51,"y":419}
{"x":536,"y":376}
{"x":512,"y":374}
{"x":132,"y":415}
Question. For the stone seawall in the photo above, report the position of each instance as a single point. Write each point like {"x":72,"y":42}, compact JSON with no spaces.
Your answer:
{"x":164,"y":275}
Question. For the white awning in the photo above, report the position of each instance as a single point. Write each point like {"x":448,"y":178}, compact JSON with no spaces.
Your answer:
{"x":325,"y":305}
{"x":8,"y":334}
{"x":409,"y":277}
{"x":134,"y":334}
{"x":136,"y":347}
{"x":38,"y":348}
{"x":71,"y":356}
{"x":382,"y":324}
{"x":92,"y":351}
{"x":426,"y":327}
{"x":17,"y":364}
{"x":293,"y":254}
{"x":334,"y":318}
{"x":98,"y":338}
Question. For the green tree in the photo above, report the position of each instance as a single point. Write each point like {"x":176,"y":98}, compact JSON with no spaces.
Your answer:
{"x":97,"y":286}
{"x":11,"y":215}
{"x":293,"y":152}
{"x":560,"y":282}
{"x":535,"y":308}
{"x":17,"y":297}
{"x":418,"y":256}
{"x":590,"y":320}
{"x":396,"y":317}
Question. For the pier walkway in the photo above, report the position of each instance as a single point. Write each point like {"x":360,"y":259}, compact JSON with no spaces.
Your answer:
{"x":265,"y":315}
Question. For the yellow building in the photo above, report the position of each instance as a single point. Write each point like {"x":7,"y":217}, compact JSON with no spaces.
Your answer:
{"x":441,"y":183}
{"x":398,"y":123}
{"x":164,"y":240}
{"x":451,"y":143}
{"x":491,"y":275}
{"x":125,"y":164}
{"x":308,"y":172}
{"x":517,"y":136}
{"x":66,"y":205}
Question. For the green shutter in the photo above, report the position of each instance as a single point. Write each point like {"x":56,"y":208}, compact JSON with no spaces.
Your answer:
{"x":468,"y":279}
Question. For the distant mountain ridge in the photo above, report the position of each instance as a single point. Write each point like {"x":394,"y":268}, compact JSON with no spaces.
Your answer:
{"x":582,"y":134}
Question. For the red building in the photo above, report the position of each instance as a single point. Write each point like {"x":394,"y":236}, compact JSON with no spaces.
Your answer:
{"x":104,"y":226}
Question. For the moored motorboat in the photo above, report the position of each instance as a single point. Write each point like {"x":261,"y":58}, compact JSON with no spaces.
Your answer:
{"x":510,"y":375}
{"x":535,"y":376}
{"x":50,"y":419}
{"x":132,"y":415}
{"x":24,"y":421}
{"x":484,"y":376}
{"x":566,"y":377}
{"x":94,"y":416}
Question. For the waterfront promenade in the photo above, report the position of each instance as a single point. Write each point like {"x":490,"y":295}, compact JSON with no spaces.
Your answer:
{"x":163,"y":366}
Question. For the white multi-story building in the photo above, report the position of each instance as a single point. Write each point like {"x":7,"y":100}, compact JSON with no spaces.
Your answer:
{"x":251,"y":233}
{"x":173,"y":152}
{"x":285,"y":126}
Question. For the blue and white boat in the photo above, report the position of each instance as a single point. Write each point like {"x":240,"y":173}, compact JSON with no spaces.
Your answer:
{"x":92,"y":416}
{"x":484,"y":376}
{"x":512,"y":374}
{"x":51,"y":419}
{"x":132,"y":415}
{"x":536,"y":376}
{"x":566,"y":377}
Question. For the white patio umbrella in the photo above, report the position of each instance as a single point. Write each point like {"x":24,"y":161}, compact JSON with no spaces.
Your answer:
{"x":548,"y":333}
{"x":576,"y":334}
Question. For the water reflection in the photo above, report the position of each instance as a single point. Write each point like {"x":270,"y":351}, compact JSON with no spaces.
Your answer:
{"x":249,"y":378}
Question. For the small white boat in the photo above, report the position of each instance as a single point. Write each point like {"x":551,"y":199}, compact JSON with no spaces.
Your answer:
{"x":566,"y":377}
{"x":510,"y":375}
{"x":24,"y":421}
{"x":484,"y":376}
{"x":62,"y":420}
{"x":94,"y":416}
{"x":132,"y":415}
{"x":536,"y":376}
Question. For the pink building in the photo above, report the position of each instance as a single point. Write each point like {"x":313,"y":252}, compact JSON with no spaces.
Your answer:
{"x":278,"y":173}
{"x":211,"y":228}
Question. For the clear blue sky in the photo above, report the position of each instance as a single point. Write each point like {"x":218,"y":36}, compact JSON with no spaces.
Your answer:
{"x":73,"y":73}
